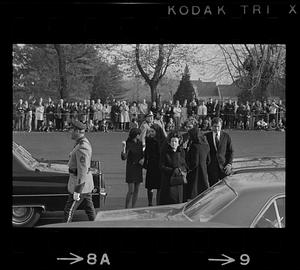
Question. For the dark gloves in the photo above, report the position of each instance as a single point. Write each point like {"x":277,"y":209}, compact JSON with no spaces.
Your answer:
{"x":176,"y":171}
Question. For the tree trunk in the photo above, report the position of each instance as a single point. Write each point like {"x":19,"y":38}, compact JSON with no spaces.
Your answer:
{"x":62,"y":71}
{"x":154,"y":94}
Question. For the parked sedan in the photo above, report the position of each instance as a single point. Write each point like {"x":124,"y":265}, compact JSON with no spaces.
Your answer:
{"x":41,"y":185}
{"x":253,"y":196}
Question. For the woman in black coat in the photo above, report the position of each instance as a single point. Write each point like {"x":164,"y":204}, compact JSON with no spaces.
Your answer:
{"x":172,"y":159}
{"x":151,"y":164}
{"x":197,"y":160}
{"x":133,"y":152}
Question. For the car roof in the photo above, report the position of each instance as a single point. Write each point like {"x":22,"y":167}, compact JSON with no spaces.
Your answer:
{"x":255,"y":182}
{"x":257,"y":173}
{"x":138,"y":224}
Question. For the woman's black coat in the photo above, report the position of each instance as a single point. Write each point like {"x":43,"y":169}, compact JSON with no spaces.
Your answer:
{"x":197,"y":159}
{"x":151,"y":163}
{"x":168,"y":162}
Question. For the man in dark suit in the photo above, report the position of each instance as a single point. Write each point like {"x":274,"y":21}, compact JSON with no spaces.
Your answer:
{"x":221,"y":152}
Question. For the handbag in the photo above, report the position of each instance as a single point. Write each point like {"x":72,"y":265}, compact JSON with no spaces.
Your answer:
{"x":178,"y":179}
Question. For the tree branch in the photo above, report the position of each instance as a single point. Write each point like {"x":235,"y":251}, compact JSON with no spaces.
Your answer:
{"x":137,"y":60}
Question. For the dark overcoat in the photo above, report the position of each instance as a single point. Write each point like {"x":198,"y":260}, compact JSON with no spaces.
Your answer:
{"x":170,"y":160}
{"x":133,"y":154}
{"x":220,"y":157}
{"x":197,"y":160}
{"x":151,"y":163}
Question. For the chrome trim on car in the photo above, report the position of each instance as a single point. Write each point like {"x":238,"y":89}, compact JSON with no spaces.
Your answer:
{"x":265,"y":207}
{"x":38,"y":195}
{"x":32,"y":205}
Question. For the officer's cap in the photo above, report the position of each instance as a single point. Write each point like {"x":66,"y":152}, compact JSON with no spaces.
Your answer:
{"x":78,"y":125}
{"x":149,"y":114}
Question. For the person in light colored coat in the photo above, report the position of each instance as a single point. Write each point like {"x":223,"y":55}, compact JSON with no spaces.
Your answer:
{"x":80,"y":184}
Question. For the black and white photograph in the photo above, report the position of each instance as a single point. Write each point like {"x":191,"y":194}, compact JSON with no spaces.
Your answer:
{"x":150,"y":134}
{"x":101,"y":131}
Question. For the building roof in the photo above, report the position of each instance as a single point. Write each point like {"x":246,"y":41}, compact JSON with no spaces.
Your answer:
{"x":229,"y":90}
{"x":205,"y":89}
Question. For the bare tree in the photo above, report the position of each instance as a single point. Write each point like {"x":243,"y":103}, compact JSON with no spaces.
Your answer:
{"x":154,"y":61}
{"x":253,"y":67}
{"x":62,"y":70}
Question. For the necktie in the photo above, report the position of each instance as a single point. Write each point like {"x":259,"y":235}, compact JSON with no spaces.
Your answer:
{"x":217,"y":141}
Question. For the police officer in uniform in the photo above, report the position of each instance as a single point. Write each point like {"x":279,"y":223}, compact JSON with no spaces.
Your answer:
{"x":80,"y":183}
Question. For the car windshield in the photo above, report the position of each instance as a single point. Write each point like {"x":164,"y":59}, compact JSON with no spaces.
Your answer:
{"x":24,"y":156}
{"x":209,"y":202}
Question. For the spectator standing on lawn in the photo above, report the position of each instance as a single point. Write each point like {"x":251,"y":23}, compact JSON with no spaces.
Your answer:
{"x":202,"y":110}
{"x":58,"y":115}
{"x":154,"y":108}
{"x":216,"y":108}
{"x":143,"y":111}
{"x":66,"y":116}
{"x":184,"y":113}
{"x":210,"y":107}
{"x":98,"y":112}
{"x":133,"y":111}
{"x":177,"y":114}
{"x":158,"y":120}
{"x":92,"y":110}
{"x":20,"y":115}
{"x":170,"y":126}
{"x":106,"y":110}
{"x":114,"y":114}
{"x":281,"y":111}
{"x":124,"y":113}
{"x":28,"y":116}
{"x":50,"y":110}
{"x":32,"y":105}
{"x":265,"y":111}
{"x":84,"y":112}
{"x":192,"y":108}
{"x":146,"y":124}
{"x":235,"y":117}
{"x":273,"y":111}
{"x":39,"y":115}
{"x":169,"y":112}
{"x":132,"y":152}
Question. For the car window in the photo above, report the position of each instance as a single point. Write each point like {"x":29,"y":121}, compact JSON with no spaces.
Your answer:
{"x":274,"y":215}
{"x":208,"y":203}
{"x":24,"y":156}
{"x":280,"y":202}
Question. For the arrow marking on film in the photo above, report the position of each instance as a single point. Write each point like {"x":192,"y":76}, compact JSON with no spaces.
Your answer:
{"x":74,"y":259}
{"x":226,"y":261}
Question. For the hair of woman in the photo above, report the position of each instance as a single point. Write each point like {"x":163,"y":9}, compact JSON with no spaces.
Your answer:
{"x":133,"y":133}
{"x":197,"y":136}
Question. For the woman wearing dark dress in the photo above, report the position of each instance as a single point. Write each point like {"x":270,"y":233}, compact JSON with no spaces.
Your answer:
{"x":151,"y":164}
{"x":133,"y":153}
{"x":197,"y":160}
{"x":172,"y":159}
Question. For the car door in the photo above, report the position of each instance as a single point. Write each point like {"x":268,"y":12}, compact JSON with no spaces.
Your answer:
{"x":272,"y":214}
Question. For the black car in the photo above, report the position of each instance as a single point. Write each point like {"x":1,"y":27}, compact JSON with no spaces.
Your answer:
{"x":252,"y":197}
{"x":41,"y":185}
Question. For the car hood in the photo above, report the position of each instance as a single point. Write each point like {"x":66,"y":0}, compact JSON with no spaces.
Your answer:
{"x":57,"y":167}
{"x":146,"y":213}
{"x":139,"y":224}
{"x":53,"y":167}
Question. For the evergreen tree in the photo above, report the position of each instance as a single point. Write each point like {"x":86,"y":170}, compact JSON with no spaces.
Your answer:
{"x":185,"y":89}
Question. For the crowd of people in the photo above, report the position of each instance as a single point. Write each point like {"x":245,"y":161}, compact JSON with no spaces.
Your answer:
{"x":113,"y":115}
{"x":181,"y":147}
{"x":179,"y":165}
